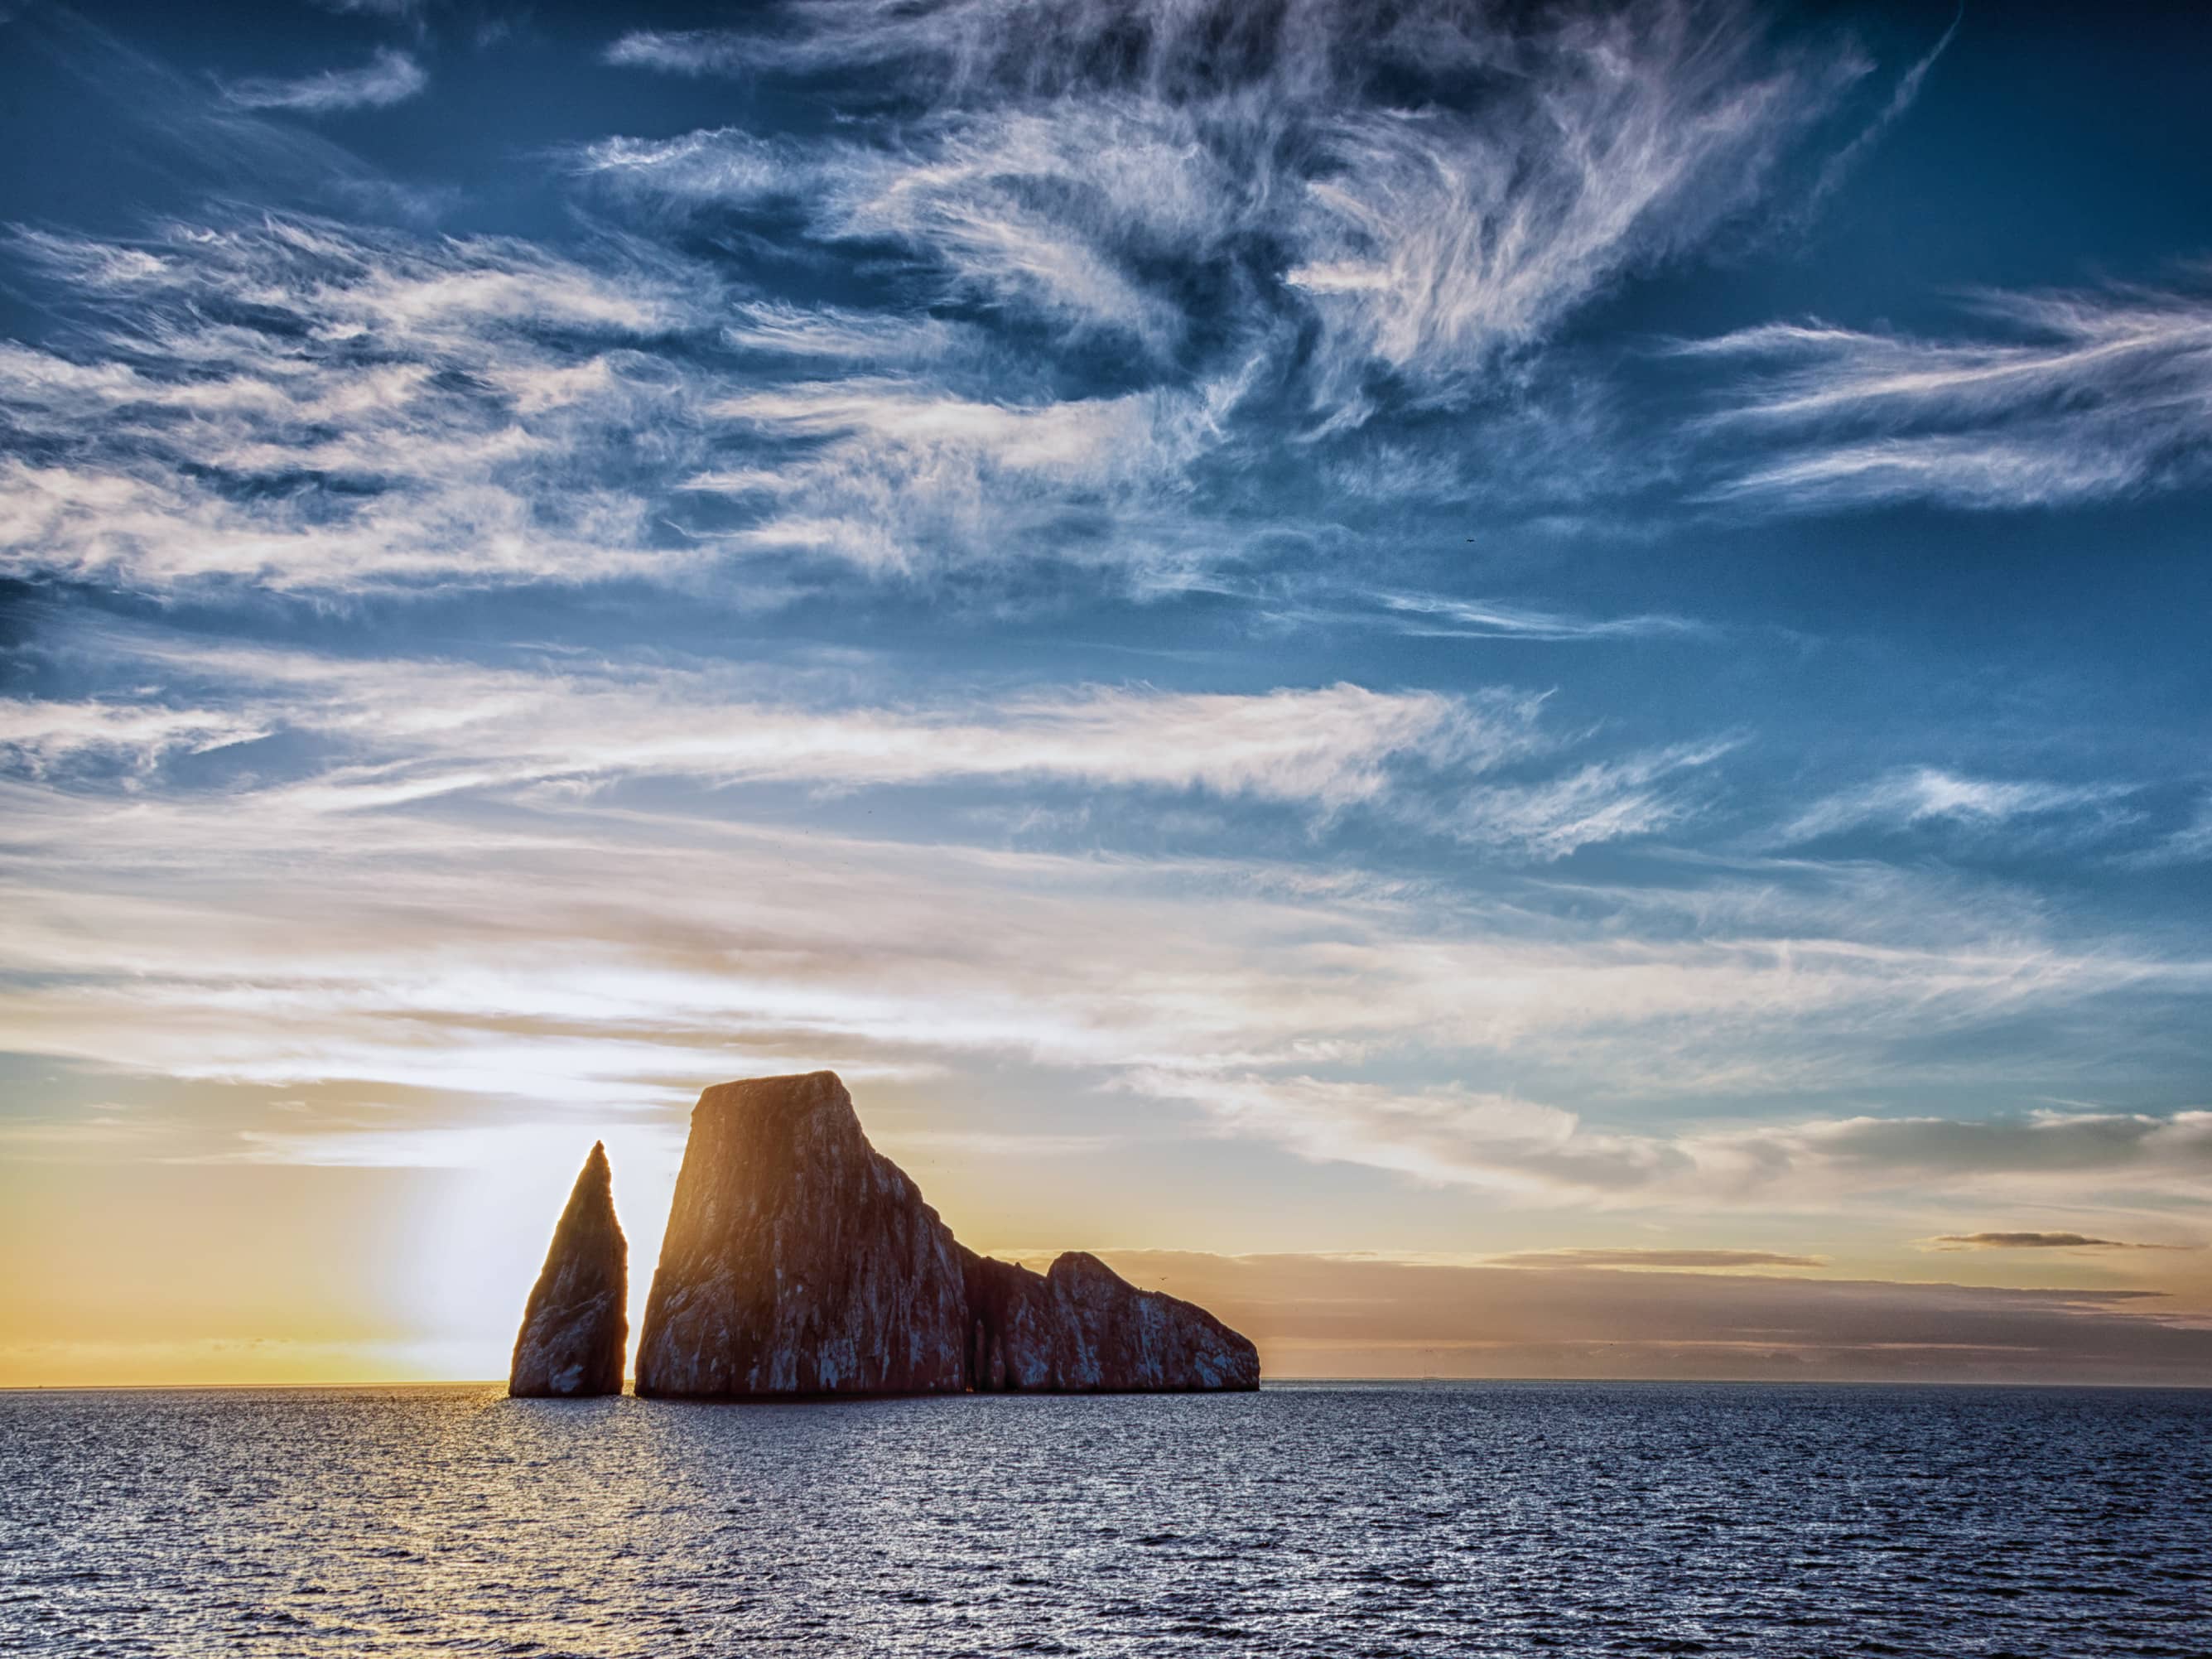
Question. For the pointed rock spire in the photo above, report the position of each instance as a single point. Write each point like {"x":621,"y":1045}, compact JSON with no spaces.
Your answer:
{"x":577,"y":1325}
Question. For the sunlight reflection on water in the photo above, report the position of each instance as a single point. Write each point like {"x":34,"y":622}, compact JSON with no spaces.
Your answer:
{"x":1487,"y":1518}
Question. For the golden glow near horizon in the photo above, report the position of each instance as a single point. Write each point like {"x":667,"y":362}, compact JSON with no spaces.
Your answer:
{"x":400,"y":1260}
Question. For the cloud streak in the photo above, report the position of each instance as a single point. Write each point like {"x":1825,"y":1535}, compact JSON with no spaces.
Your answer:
{"x":1542,"y":1154}
{"x":2063,"y":398}
{"x":2040,"y":1241}
{"x":1424,"y":762}
{"x":1730,"y":1261}
{"x":1442,"y":616}
{"x":1928,"y":795}
{"x":1353,"y":1317}
{"x":680,"y":51}
{"x":389,"y":77}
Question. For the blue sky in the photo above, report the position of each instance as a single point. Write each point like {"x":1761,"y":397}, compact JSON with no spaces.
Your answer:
{"x":1430,"y":633}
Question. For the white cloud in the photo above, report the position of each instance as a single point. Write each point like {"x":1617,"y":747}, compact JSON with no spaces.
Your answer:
{"x":478,"y":411}
{"x":1453,"y":1136}
{"x":1263,"y":218}
{"x":895,"y":477}
{"x":43,"y":737}
{"x":1432,"y":243}
{"x":1096,"y":165}
{"x":415,"y":730}
{"x":2065,"y":397}
{"x":1440,"y":616}
{"x":1928,"y":794}
{"x":513,"y":941}
{"x":832,"y":334}
{"x":723,"y":164}
{"x":1603,"y":801}
{"x":2190,"y":844}
{"x":389,"y":77}
{"x":395,"y":411}
{"x":680,"y":51}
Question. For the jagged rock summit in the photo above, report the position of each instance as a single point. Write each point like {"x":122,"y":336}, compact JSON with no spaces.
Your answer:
{"x":799,"y":1260}
{"x":577,"y":1326}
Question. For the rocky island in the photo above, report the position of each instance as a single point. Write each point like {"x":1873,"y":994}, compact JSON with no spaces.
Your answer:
{"x":799,"y":1260}
{"x":577,"y":1326}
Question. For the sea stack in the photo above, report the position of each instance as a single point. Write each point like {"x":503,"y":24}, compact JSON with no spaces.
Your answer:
{"x":577,"y":1324}
{"x":799,"y":1260}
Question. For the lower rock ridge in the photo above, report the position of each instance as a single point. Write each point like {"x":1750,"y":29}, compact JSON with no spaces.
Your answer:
{"x":1083,"y":1328}
{"x":799,"y":1260}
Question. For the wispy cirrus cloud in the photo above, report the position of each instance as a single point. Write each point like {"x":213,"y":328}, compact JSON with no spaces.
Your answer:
{"x":1277,"y":233}
{"x":1440,"y":616}
{"x":895,"y":475}
{"x":1639,"y":795}
{"x":1429,"y":193}
{"x":2063,"y":397}
{"x":389,"y":77}
{"x":42,"y":737}
{"x":680,"y":51}
{"x":306,"y":406}
{"x":816,"y":334}
{"x":2190,"y":844}
{"x":1927,"y":794}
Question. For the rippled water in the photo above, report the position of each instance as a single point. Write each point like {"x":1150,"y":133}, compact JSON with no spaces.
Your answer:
{"x":1497,"y":1518}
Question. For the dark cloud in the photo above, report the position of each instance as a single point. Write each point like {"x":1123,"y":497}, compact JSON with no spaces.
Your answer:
{"x":2041,"y":1242}
{"x":1347,"y":1317}
{"x":1625,"y":1258}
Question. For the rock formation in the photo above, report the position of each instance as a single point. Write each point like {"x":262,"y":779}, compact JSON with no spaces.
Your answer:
{"x":801,"y":1261}
{"x":577,"y":1324}
{"x":1083,"y":1328}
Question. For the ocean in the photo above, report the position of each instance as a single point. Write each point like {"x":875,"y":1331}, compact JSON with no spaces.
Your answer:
{"x":1340,"y":1519}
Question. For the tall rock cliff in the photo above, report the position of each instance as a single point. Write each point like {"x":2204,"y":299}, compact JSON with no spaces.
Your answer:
{"x":801,"y":1261}
{"x":577,"y":1322}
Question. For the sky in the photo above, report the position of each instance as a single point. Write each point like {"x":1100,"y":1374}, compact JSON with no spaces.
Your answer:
{"x":1512,"y":690}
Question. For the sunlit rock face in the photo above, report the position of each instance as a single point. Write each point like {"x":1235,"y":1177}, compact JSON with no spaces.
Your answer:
{"x":799,"y":1260}
{"x":1083,"y":1328}
{"x":577,"y":1326}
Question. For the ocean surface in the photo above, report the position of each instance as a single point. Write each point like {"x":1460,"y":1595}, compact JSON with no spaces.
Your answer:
{"x":1483,"y":1518}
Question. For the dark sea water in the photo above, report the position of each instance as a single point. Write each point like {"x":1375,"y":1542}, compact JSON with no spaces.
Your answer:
{"x":1488,"y":1518}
